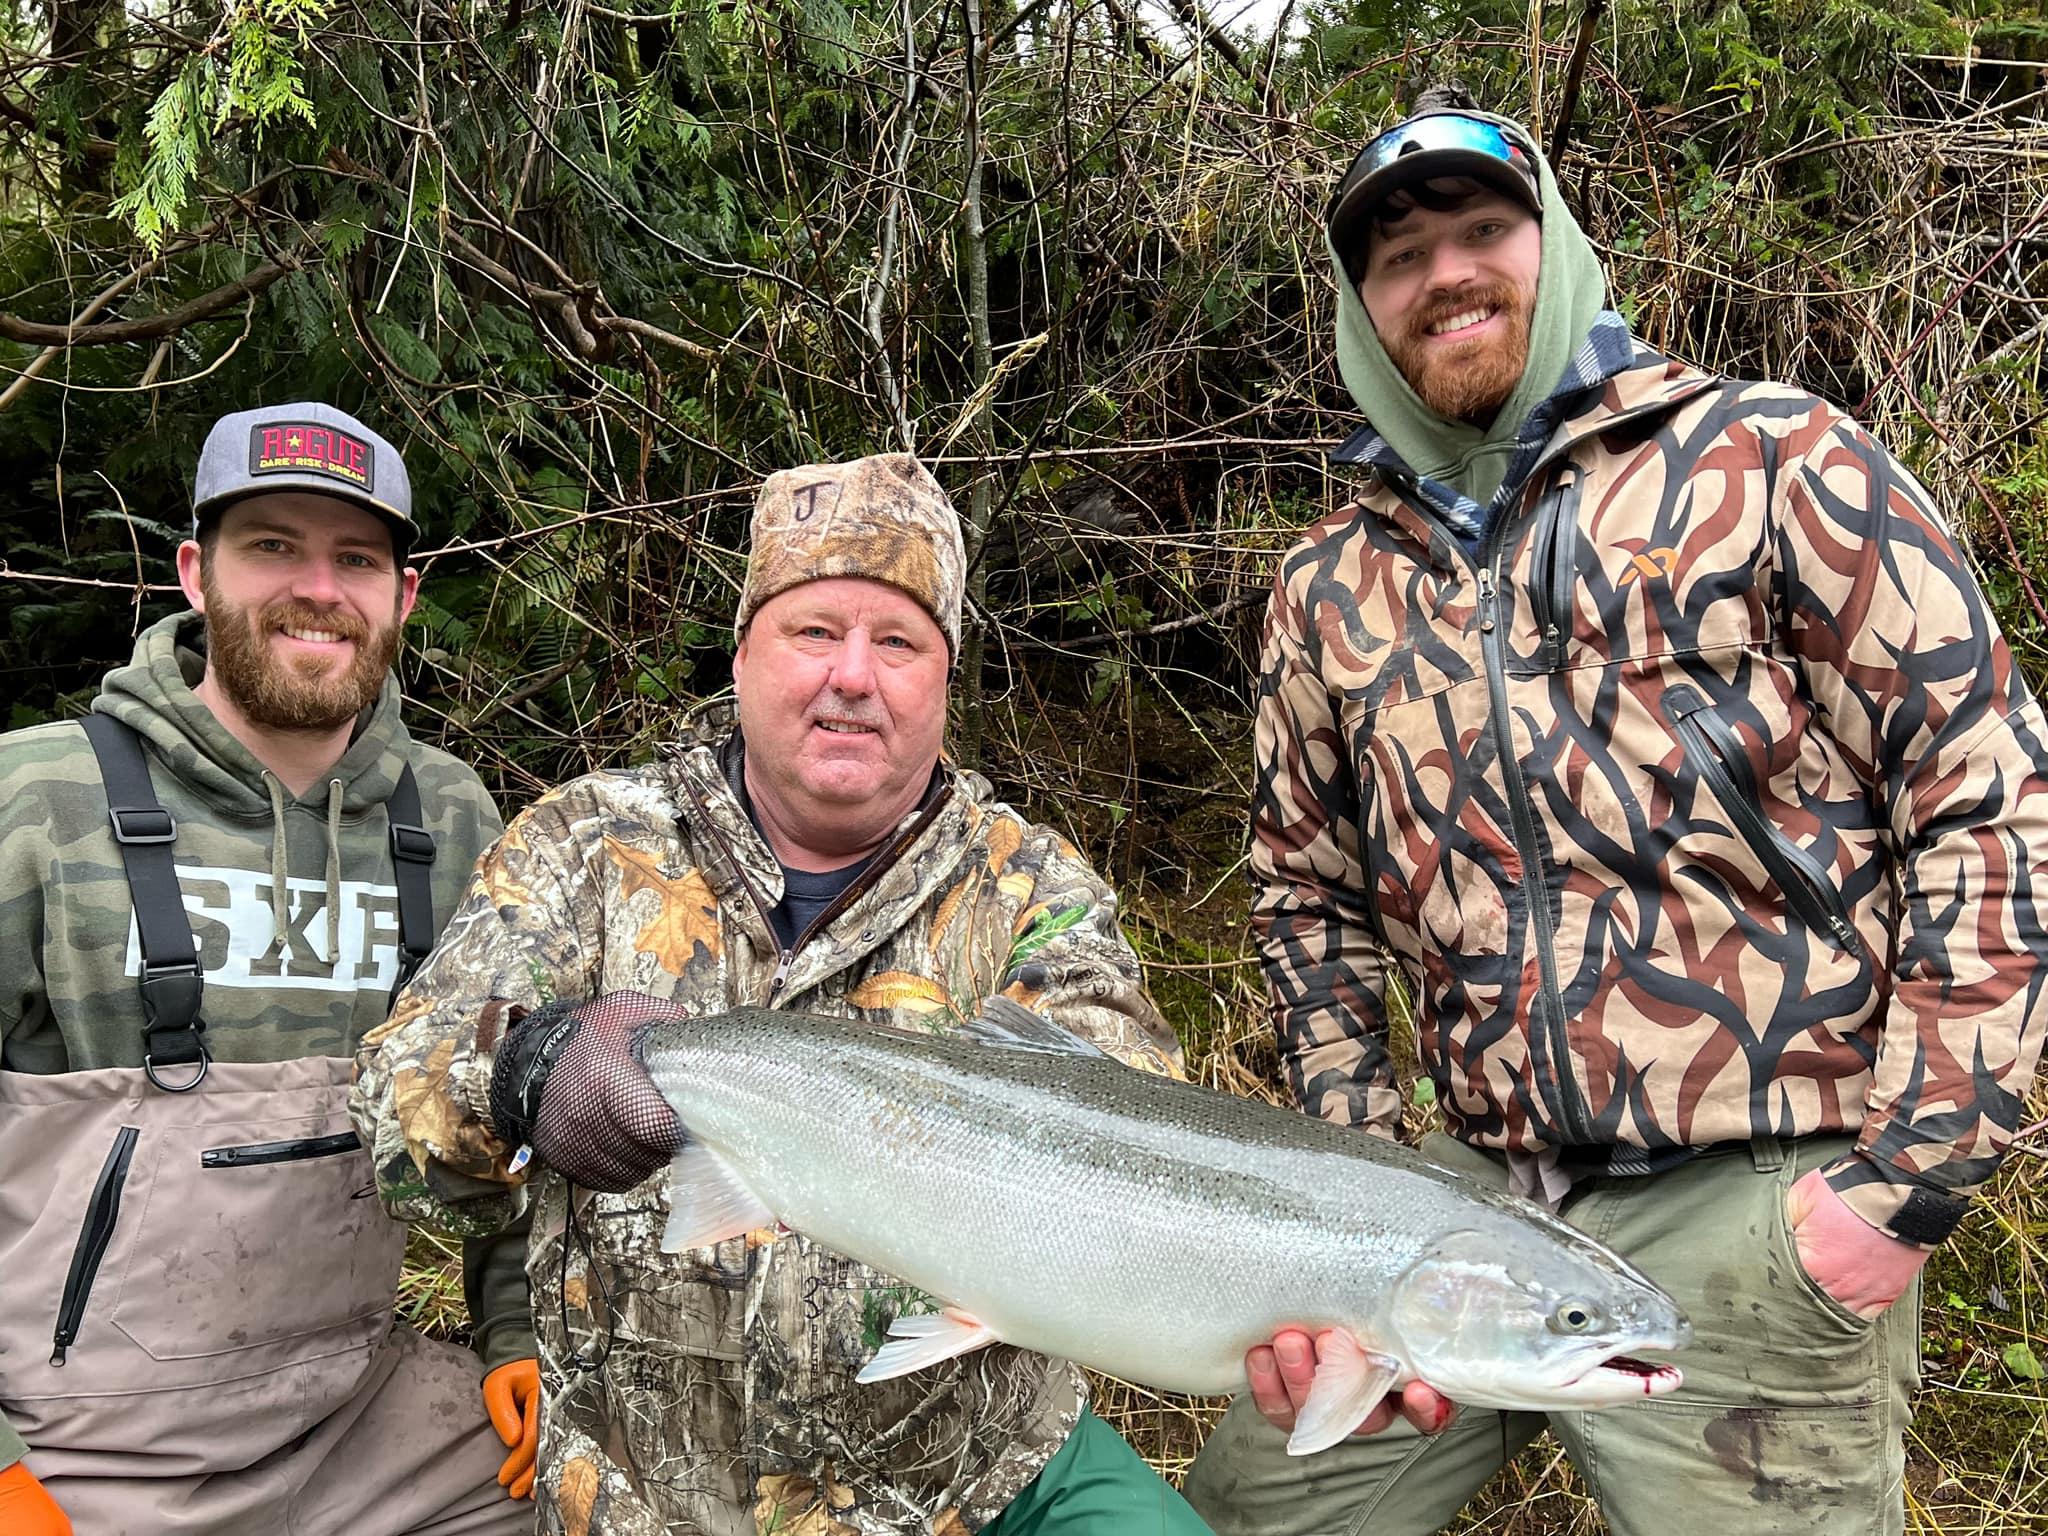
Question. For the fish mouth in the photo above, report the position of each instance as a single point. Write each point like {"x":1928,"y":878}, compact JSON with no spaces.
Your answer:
{"x":1626,"y":1376}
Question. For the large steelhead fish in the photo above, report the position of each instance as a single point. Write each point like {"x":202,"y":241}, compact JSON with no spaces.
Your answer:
{"x":1057,"y":1200}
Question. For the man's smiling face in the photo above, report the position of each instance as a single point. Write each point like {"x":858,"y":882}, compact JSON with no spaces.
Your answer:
{"x":842,"y":698}
{"x":304,"y":601}
{"x":1450,"y":289}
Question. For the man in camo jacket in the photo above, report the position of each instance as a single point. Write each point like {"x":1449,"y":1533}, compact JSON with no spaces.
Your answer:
{"x":814,"y":854}
{"x":1647,"y":729}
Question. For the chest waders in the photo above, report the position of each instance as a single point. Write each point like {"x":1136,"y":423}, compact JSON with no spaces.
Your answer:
{"x":218,"y":1356}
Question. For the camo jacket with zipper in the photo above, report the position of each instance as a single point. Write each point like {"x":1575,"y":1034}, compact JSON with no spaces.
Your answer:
{"x":1706,"y":803}
{"x":713,"y":1390}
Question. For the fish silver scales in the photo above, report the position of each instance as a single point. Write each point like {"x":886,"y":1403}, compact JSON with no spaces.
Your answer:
{"x":1059,"y":1201}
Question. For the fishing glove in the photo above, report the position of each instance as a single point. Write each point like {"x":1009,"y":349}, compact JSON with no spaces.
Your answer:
{"x":26,"y":1508}
{"x":512,"y":1399}
{"x":568,"y":1086}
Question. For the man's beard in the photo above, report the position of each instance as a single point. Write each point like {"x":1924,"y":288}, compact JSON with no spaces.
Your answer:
{"x":283,"y":696}
{"x":1468,"y":380}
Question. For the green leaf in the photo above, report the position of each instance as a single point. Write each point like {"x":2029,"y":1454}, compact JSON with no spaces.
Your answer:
{"x":1044,"y":928}
{"x":2020,"y":1360}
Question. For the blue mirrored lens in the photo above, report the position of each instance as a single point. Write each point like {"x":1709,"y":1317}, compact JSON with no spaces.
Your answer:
{"x":1443,"y":130}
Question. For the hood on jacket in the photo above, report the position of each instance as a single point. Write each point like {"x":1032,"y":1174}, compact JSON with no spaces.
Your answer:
{"x":1571,"y":289}
{"x":153,"y":696}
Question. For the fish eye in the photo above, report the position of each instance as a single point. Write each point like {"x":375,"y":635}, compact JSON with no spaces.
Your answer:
{"x":1573,"y":1317}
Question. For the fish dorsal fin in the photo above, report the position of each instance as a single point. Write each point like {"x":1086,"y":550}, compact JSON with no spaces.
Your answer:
{"x":707,"y":1201}
{"x":1350,"y":1381}
{"x":1014,"y":1027}
{"x":923,"y":1339}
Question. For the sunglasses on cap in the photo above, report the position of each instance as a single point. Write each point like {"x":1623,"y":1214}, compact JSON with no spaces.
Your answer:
{"x":1425,"y":148}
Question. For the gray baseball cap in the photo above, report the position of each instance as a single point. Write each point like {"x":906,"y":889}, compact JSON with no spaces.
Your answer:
{"x":304,"y":446}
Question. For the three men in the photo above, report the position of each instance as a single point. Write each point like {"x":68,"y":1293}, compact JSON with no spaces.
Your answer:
{"x":207,"y":894}
{"x":1650,"y":728}
{"x":809,"y":850}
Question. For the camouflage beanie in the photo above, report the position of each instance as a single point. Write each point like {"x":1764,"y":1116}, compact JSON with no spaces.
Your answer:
{"x":884,"y":519}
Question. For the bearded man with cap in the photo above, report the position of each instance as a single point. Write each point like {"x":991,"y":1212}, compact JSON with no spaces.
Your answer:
{"x":807,"y":848}
{"x":209,"y":890}
{"x":1647,"y":730}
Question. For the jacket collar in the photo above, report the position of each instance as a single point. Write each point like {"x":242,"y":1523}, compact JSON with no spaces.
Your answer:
{"x":1652,"y":385}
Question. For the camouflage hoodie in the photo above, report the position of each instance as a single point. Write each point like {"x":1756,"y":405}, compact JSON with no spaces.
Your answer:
{"x":278,"y":888}
{"x":1704,"y":802}
{"x":713,"y":1390}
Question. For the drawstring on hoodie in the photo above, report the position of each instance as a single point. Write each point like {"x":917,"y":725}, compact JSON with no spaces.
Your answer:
{"x":280,"y":911}
{"x":280,"y":906}
{"x":334,"y":871}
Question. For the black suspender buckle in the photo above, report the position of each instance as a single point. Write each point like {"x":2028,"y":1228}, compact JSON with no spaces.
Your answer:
{"x":140,"y":826}
{"x":170,"y":996}
{"x":172,"y":1032}
{"x":411,"y":845}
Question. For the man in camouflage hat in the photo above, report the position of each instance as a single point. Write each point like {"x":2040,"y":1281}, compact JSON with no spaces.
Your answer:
{"x":195,"y":1309}
{"x":810,"y":850}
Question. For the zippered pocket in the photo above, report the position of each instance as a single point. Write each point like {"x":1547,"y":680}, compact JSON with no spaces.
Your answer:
{"x":1555,"y":566}
{"x":300,"y":1149}
{"x":101,"y":1212}
{"x":1716,"y":755}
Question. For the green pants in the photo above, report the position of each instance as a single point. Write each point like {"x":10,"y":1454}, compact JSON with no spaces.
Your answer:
{"x":1097,"y":1486}
{"x":1791,"y":1419}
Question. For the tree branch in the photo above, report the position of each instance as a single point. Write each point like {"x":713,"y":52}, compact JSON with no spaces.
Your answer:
{"x":568,"y":308}
{"x":154,"y":328}
{"x":1574,"y":78}
{"x":100,"y":151}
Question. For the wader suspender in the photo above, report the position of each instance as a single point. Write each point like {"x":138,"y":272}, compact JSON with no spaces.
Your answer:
{"x":171,"y":983}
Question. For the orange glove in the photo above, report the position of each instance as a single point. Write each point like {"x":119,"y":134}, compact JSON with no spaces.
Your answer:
{"x":26,"y":1508}
{"x":512,"y":1399}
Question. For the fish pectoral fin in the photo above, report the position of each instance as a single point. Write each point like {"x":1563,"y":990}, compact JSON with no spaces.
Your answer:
{"x":1008,"y":1024}
{"x":1350,"y":1381}
{"x":707,"y":1201}
{"x":926,"y":1339}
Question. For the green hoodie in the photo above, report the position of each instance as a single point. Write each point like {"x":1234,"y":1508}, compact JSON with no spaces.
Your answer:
{"x":253,"y":861}
{"x":1571,"y":289}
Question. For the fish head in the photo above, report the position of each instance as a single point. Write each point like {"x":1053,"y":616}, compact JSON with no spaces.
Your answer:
{"x":1534,"y":1320}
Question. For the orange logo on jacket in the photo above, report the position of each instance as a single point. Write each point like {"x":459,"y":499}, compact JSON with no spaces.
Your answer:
{"x":1659,"y":562}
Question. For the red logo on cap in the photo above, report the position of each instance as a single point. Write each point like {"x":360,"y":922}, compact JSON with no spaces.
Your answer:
{"x":303,"y":446}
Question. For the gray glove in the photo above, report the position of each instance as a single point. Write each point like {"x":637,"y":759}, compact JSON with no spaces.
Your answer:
{"x":568,"y":1084}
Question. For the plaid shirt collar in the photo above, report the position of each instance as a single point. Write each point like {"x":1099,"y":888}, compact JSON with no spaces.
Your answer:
{"x":1608,"y":349}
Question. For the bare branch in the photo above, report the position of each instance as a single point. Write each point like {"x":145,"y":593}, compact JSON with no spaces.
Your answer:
{"x":153,"y":328}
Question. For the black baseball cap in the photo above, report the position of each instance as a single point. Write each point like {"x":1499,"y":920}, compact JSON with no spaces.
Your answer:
{"x":1426,"y":147}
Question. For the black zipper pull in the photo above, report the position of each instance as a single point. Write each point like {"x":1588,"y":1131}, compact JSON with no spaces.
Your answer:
{"x":1485,"y":600}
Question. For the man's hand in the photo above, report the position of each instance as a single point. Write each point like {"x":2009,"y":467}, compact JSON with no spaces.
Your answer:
{"x":568,"y":1083}
{"x":26,"y":1508}
{"x":1862,"y":1268}
{"x":512,"y":1399}
{"x":1282,"y":1372}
